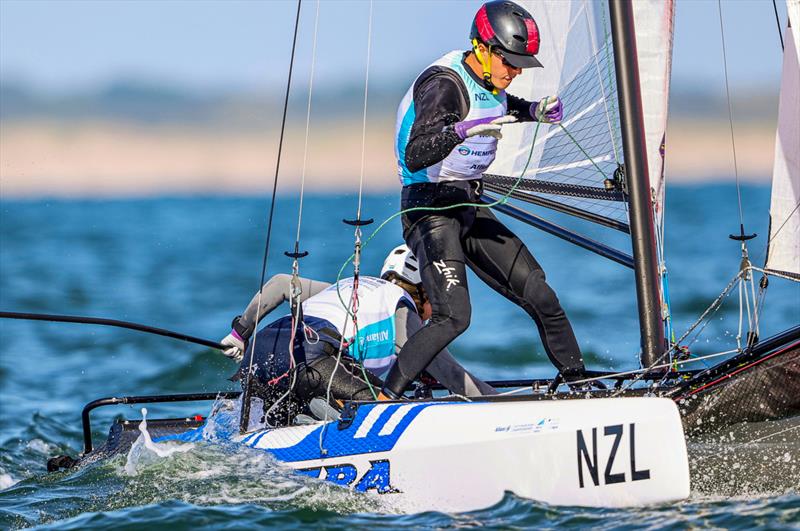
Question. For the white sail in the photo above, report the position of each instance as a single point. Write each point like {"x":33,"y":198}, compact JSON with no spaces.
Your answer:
{"x":578,"y":59}
{"x":654,"y":21}
{"x":571,"y":37}
{"x":783,"y":253}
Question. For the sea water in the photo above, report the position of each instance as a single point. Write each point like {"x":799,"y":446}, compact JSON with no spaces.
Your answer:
{"x":191,"y":264}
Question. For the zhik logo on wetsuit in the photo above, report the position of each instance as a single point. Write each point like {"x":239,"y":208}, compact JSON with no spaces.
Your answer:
{"x":448,"y":272}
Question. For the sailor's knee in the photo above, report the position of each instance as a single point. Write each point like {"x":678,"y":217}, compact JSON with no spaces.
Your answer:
{"x":455,"y":318}
{"x":460,"y":323}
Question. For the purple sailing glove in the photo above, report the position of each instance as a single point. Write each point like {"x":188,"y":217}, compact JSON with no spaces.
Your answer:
{"x":236,"y":344}
{"x":548,"y":110}
{"x":482,"y":126}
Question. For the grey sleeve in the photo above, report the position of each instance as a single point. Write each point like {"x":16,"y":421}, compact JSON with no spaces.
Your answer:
{"x":275,"y":292}
{"x":444,"y":366}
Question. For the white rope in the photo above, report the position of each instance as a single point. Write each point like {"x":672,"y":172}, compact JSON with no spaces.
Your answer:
{"x":743,"y":273}
{"x":308,"y":123}
{"x":739,"y":331}
{"x":364,"y":119}
{"x":353,"y":293}
{"x":785,"y":221}
{"x":293,"y":375}
{"x":730,"y":114}
{"x":702,"y":319}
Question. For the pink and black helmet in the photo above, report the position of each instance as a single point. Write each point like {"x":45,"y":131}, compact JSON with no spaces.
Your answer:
{"x":508,"y":27}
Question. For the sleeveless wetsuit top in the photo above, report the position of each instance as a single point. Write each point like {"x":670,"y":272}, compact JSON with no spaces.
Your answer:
{"x":470,"y":158}
{"x":378,"y":301}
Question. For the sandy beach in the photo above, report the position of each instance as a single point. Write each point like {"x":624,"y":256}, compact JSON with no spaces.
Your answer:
{"x":102,"y":159}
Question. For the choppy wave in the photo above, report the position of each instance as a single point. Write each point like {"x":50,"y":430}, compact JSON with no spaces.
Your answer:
{"x":189,"y":267}
{"x":739,"y":478}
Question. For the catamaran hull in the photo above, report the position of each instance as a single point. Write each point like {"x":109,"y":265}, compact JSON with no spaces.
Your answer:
{"x":447,"y":456}
{"x":753,"y":387}
{"x":559,"y":448}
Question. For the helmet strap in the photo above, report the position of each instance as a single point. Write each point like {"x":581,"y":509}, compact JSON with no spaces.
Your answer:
{"x":486,"y":64}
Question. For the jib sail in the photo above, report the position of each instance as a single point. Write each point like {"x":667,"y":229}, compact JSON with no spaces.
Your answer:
{"x":783,"y":252}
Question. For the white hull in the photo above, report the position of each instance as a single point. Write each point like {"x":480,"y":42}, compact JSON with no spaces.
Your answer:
{"x":446,"y":456}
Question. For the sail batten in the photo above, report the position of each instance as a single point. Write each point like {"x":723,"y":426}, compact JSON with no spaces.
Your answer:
{"x":783,"y":250}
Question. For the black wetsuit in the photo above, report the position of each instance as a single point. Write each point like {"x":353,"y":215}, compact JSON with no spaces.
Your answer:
{"x":315,"y":362}
{"x":446,"y":242}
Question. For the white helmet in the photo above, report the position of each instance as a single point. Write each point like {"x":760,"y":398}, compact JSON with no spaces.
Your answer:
{"x":402,"y":262}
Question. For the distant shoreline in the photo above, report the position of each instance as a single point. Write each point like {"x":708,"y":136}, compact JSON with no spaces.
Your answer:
{"x":40,"y":159}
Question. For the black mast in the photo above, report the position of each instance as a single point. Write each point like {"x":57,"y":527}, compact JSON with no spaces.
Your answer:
{"x":634,"y":148}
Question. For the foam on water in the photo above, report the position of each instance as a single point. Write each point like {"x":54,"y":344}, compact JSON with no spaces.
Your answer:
{"x":6,"y":480}
{"x":154,"y":252}
{"x":144,"y":444}
{"x":160,"y":471}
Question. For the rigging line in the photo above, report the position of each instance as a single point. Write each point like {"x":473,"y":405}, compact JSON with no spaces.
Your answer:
{"x":292,"y":368}
{"x":308,"y":128}
{"x":711,"y":309}
{"x":112,"y":322}
{"x":637,"y":371}
{"x":773,"y":273}
{"x":662,"y":366}
{"x":785,"y":221}
{"x":585,"y":154}
{"x":364,"y":119}
{"x":244,"y":419}
{"x":351,"y":309}
{"x":778,"y":23}
{"x":730,"y":118}
{"x":595,"y":53}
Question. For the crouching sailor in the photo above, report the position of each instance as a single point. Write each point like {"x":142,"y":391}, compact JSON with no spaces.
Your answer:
{"x":294,"y":364}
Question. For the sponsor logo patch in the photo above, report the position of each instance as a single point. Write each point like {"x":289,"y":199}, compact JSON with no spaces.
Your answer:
{"x":448,"y":272}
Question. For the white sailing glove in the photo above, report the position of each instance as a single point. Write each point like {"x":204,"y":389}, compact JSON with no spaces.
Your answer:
{"x":483,"y":127}
{"x":236,"y":344}
{"x":548,"y":110}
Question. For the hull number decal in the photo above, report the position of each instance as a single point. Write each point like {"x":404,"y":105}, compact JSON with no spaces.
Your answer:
{"x":590,"y":461}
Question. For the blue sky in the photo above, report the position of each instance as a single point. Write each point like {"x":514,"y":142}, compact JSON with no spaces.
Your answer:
{"x":67,"y":45}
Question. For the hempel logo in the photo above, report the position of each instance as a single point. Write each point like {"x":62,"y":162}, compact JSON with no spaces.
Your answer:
{"x":463,"y":150}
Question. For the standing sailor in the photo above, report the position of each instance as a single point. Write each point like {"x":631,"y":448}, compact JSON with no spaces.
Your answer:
{"x":302,"y":361}
{"x":448,"y":125}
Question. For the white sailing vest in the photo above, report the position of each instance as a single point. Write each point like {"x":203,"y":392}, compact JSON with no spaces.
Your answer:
{"x":377,"y":304}
{"x":468,"y":159}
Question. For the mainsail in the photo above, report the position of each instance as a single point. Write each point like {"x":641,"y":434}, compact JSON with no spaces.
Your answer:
{"x":574,"y":166}
{"x":783,"y":252}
